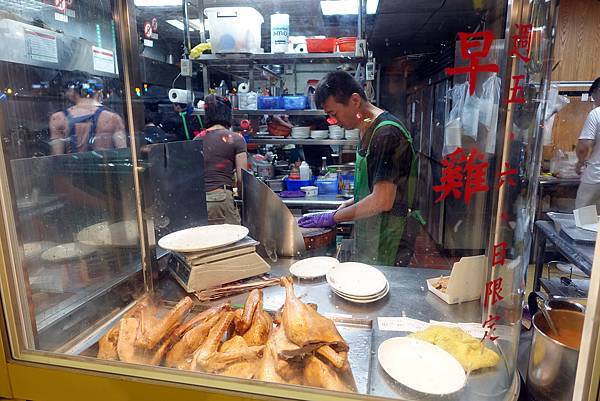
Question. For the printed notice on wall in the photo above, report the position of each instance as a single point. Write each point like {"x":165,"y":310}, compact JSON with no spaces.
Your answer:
{"x":104,"y":60}
{"x":41,"y":46}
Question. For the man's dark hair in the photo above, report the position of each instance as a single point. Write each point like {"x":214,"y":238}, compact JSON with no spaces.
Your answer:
{"x":218,"y":111}
{"x":340,"y":85}
{"x":595,"y":86}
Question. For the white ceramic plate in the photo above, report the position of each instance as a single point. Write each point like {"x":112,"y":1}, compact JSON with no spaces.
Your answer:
{"x":312,"y":268}
{"x":203,"y":237}
{"x":421,"y":366}
{"x":342,"y":294}
{"x":356,"y":279}
{"x":364,"y":300}
{"x":35,"y":249}
{"x":123,"y":234}
{"x":64,"y":252}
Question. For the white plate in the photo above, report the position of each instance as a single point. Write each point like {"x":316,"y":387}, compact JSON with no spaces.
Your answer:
{"x":379,"y":294}
{"x":123,"y":233}
{"x":364,"y":300}
{"x":63,"y":252}
{"x":311,"y":268}
{"x":421,"y":366}
{"x":356,"y":279}
{"x":202,"y":238}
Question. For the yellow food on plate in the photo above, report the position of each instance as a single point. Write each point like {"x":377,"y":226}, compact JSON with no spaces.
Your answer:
{"x":468,"y":350}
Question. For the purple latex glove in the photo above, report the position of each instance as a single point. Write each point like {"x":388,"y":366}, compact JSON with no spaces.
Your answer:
{"x":320,"y":220}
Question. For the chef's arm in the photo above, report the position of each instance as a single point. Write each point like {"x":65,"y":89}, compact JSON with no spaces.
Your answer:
{"x":380,"y":200}
{"x":241,"y":162}
{"x":583,"y":151}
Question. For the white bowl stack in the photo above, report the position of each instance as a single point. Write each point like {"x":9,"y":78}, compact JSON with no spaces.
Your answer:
{"x":319,"y":134}
{"x":357,"y":282}
{"x":336,"y":132}
{"x":301,"y":132}
{"x":352,"y":134}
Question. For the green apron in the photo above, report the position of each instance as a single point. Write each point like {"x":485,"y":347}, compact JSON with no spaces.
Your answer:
{"x":377,"y":238}
{"x":185,"y":126}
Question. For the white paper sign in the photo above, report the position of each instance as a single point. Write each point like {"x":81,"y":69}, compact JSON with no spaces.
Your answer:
{"x":148,"y":43}
{"x":401,"y":324}
{"x":41,"y":46}
{"x":104,"y":60}
{"x":61,"y":17}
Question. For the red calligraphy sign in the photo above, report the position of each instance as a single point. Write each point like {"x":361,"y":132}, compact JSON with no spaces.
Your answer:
{"x":452,"y":180}
{"x":507,"y":173}
{"x":514,"y":91}
{"x":490,"y":324}
{"x":462,"y":172}
{"x":522,"y":42}
{"x":493,"y":291}
{"x":474,"y":47}
{"x":499,"y":254}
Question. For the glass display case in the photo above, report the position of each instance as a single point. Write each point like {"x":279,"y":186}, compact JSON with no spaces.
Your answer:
{"x":96,"y":171}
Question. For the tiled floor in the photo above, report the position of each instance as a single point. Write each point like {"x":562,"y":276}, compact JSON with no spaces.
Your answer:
{"x":428,"y":256}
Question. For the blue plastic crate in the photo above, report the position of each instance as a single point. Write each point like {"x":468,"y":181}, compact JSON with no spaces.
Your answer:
{"x":327,"y":187}
{"x":294,"y":102}
{"x":270,"y":102}
{"x":294,"y":185}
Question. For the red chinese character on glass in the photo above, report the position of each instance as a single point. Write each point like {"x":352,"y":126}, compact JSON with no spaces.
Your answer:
{"x":507,"y":173}
{"x":452,"y":179}
{"x":517,"y":91}
{"x":522,"y":42}
{"x":474,"y":47}
{"x":490,"y":325}
{"x":499,"y":254}
{"x":493,"y":291}
{"x":475,"y":171}
{"x":462,"y":172}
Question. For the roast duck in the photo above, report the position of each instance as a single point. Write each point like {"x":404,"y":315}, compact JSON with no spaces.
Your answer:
{"x":297,"y":346}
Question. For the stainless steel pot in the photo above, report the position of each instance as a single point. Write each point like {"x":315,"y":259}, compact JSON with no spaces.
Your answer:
{"x":552,"y":365}
{"x":265,"y":170}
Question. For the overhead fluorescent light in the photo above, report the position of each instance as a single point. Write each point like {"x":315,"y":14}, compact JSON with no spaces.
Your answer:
{"x":177,"y":24}
{"x":196,"y":24}
{"x":157,"y":3}
{"x":346,"y":7}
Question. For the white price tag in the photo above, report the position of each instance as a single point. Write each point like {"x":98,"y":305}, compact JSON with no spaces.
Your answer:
{"x":401,"y":324}
{"x":585,"y":97}
{"x":148,"y":43}
{"x":61,"y":17}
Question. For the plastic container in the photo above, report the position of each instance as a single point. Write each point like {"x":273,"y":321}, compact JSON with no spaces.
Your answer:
{"x":295,"y":185}
{"x":270,"y":102}
{"x":234,"y":29}
{"x":310,"y":190}
{"x":327,"y":187}
{"x":280,"y":32}
{"x":323,"y":45}
{"x":346,"y":44}
{"x":304,"y":171}
{"x":294,"y":102}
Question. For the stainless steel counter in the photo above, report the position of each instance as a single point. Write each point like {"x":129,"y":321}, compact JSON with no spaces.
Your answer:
{"x":408,"y":297}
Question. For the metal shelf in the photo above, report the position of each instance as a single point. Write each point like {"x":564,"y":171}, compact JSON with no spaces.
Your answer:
{"x":284,"y":58}
{"x":317,"y":113}
{"x":277,"y":141}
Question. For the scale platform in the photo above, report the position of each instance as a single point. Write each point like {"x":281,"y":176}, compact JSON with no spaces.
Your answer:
{"x":211,"y":268}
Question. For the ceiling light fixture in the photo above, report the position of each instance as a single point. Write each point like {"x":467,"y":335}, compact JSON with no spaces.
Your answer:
{"x":157,"y":3}
{"x":346,"y":7}
{"x":177,"y":24}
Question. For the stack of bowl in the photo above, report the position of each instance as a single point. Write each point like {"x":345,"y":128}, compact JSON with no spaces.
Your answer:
{"x":352,"y":134}
{"x":336,"y":132}
{"x":301,"y":132}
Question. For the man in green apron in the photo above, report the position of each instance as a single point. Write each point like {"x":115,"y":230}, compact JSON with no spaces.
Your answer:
{"x":385,"y":223}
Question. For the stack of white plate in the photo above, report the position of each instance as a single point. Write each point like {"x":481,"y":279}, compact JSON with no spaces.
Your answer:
{"x":301,"y":132}
{"x":319,"y":134}
{"x":336,"y":132}
{"x":358,"y":282}
{"x":352,"y":134}
{"x":312,"y":268}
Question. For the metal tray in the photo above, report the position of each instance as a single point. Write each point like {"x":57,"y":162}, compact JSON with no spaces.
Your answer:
{"x":565,"y":222}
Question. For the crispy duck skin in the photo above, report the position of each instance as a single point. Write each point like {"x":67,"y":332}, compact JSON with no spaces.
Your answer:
{"x":200,"y":318}
{"x":319,"y":374}
{"x":126,"y":349}
{"x":304,"y":326}
{"x":108,"y":344}
{"x":153,"y":331}
{"x":253,"y":304}
{"x":234,"y":352}
{"x":267,"y":368}
{"x":287,"y":349}
{"x":212,"y":342}
{"x":261,"y":325}
{"x":337,"y":359}
{"x":180,"y":354}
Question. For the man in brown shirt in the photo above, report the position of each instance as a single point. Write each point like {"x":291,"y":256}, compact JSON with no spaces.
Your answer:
{"x":87,"y":125}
